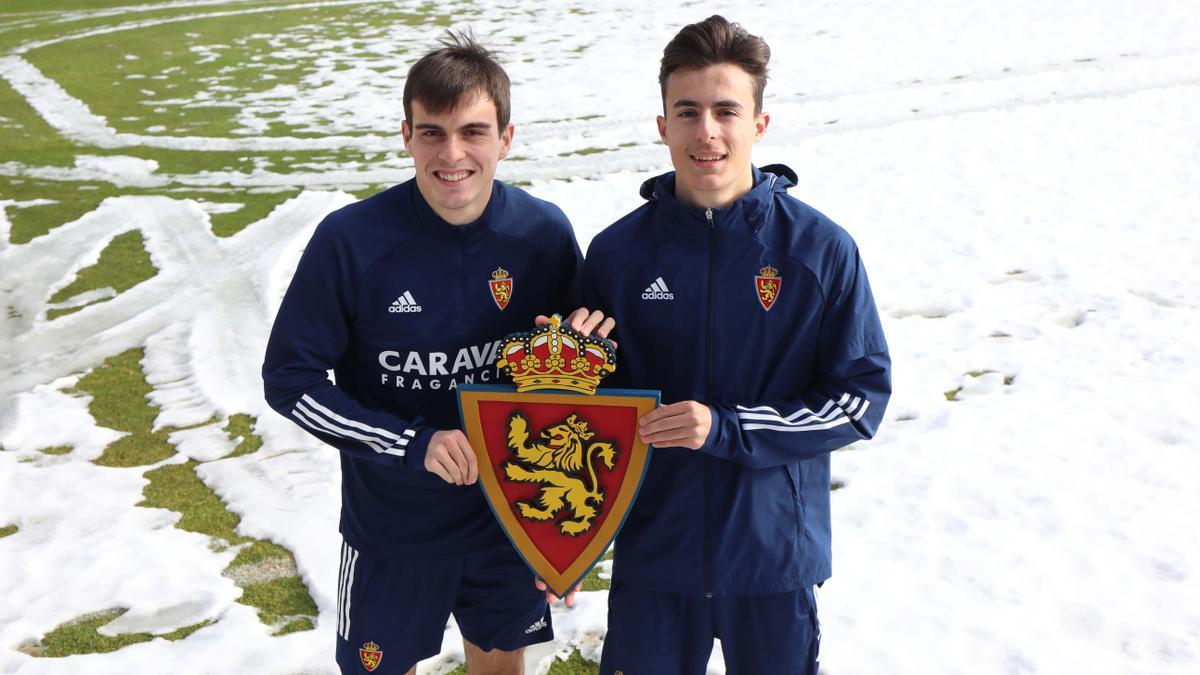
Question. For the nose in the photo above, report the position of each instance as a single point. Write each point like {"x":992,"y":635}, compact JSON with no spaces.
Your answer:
{"x":452,"y":150}
{"x":706,"y":127}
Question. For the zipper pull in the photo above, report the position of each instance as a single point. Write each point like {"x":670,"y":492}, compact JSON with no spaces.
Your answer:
{"x":708,"y":214}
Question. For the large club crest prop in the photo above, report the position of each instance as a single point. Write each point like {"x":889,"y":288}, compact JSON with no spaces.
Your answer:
{"x":560,"y":461}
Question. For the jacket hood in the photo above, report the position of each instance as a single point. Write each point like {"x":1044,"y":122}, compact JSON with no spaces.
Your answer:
{"x":750,"y":210}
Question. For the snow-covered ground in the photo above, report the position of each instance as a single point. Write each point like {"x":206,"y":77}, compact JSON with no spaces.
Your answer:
{"x":1022,"y":179}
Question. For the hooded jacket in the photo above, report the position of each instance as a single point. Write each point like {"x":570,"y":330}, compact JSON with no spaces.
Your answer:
{"x":763,"y":312}
{"x":403,"y":308}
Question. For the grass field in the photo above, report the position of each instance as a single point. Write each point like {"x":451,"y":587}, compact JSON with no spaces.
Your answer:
{"x":200,"y":72}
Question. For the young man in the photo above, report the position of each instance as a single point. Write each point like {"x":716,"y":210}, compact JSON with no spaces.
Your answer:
{"x":752,"y":313}
{"x":404,"y":296}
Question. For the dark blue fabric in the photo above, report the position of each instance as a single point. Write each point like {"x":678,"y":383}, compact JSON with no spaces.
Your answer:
{"x":653,"y":633}
{"x":397,"y":303}
{"x":402,"y":606}
{"x":749,"y":512}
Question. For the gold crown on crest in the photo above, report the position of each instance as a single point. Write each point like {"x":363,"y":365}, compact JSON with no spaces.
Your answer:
{"x":768,"y":271}
{"x":553,"y":356}
{"x":500,"y":273}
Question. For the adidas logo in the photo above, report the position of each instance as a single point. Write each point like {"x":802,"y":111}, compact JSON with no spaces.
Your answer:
{"x":404,"y":304}
{"x":658,"y":291}
{"x":537,"y":625}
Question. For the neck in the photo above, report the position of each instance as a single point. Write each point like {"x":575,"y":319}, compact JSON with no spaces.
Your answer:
{"x":714,"y":199}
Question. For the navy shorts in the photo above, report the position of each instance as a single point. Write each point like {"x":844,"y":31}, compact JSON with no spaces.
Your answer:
{"x":392,"y":613}
{"x":672,"y":633}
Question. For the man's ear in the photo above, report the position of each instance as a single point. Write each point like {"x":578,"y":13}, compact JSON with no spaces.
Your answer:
{"x":760,"y":125}
{"x":662,"y":128}
{"x":406,"y":134}
{"x":506,"y":139}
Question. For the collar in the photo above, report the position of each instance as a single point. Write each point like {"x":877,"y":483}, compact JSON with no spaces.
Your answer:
{"x":747,"y":213}
{"x":429,"y":221}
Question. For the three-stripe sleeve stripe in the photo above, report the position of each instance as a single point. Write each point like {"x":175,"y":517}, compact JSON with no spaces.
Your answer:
{"x":323,"y":420}
{"x":848,"y":408}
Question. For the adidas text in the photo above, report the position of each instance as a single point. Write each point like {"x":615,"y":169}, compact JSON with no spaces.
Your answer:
{"x":538,"y":625}
{"x":658,"y":291}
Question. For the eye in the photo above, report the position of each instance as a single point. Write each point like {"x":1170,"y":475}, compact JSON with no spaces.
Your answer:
{"x":687,"y":113}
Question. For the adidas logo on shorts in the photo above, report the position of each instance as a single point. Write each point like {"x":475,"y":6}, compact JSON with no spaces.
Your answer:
{"x":537,"y":625}
{"x":658,"y":291}
{"x":404,"y":304}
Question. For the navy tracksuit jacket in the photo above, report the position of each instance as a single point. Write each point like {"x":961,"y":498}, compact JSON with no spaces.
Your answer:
{"x":791,"y":370}
{"x":400,"y":306}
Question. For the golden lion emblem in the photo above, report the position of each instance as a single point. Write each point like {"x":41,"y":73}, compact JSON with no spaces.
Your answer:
{"x":557,"y":461}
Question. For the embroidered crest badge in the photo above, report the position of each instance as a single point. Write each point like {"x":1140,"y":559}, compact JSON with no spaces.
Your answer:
{"x":501,"y":286}
{"x":560,"y":461}
{"x":767,"y":285}
{"x":371,"y":656}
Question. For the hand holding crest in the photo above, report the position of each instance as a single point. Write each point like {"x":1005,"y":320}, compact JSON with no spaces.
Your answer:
{"x":680,"y":425}
{"x":450,"y":457}
{"x":586,"y":322}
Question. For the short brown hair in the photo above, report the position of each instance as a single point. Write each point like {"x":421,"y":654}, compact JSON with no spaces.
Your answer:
{"x":462,"y":68}
{"x":714,"y":41}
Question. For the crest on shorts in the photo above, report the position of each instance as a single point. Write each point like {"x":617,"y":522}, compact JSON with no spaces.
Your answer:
{"x":767,"y":285}
{"x":560,"y":461}
{"x":501,"y":286}
{"x":371,"y":655}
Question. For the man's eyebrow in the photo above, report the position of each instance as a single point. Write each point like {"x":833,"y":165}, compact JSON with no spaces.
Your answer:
{"x":688,"y":103}
{"x":470,"y":125}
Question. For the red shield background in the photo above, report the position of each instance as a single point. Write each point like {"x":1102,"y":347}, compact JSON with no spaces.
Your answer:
{"x":501,"y":291}
{"x":766,"y":284}
{"x":560,"y":559}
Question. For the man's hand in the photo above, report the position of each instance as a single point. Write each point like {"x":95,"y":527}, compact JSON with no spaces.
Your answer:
{"x":679,"y":425}
{"x":586,"y":322}
{"x":551,"y":598}
{"x":450,"y":457}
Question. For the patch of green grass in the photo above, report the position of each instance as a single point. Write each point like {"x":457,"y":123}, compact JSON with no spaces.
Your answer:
{"x":258,"y":551}
{"x":296,"y":626}
{"x":57,"y":450}
{"x":584,"y":152}
{"x":255,"y":207}
{"x":177,"y":487}
{"x":81,"y":636}
{"x":250,"y":53}
{"x":574,"y":665}
{"x":280,"y":599}
{"x":118,"y":388}
{"x":69,"y":202}
{"x":26,"y":137}
{"x":239,"y":428}
{"x":952,"y":395}
{"x":123,"y":264}
{"x":8,"y":531}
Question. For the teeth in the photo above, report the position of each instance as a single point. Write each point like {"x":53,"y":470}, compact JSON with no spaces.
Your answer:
{"x":453,"y":177}
{"x":708,"y":158}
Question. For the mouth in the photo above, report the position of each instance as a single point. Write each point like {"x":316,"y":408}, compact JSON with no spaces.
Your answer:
{"x":708,"y":160}
{"x":452,"y":177}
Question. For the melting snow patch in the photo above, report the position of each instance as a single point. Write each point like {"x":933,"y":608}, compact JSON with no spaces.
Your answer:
{"x":116,"y":168}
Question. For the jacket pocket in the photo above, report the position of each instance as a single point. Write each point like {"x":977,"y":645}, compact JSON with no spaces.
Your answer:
{"x":792,"y":473}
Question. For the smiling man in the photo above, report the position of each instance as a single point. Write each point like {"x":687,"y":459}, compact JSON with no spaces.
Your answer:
{"x":404,"y":296}
{"x":751,"y":312}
